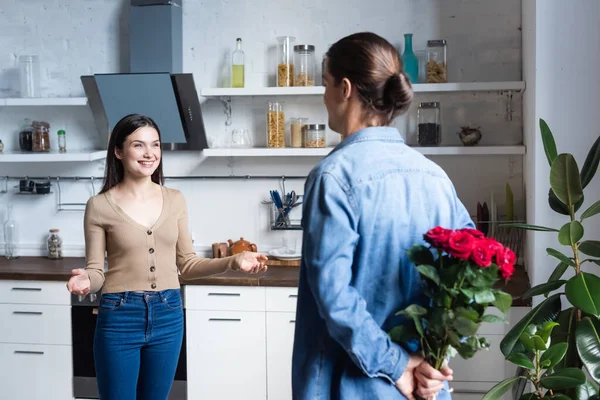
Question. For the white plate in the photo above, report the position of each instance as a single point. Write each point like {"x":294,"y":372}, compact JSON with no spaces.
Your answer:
{"x":277,"y":253}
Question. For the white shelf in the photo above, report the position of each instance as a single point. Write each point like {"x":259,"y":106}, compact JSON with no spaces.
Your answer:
{"x":44,"y":101}
{"x":302,"y":152}
{"x":319,"y":90}
{"x":52,"y":157}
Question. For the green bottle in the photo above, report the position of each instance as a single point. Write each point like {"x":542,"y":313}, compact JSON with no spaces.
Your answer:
{"x":410,"y":60}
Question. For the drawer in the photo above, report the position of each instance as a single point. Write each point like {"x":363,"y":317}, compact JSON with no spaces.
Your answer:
{"x":225,"y":298}
{"x":35,"y":324}
{"x":281,"y":299}
{"x":34,"y":292}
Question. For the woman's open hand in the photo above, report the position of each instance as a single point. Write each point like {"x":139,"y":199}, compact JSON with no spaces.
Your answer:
{"x":79,"y":283}
{"x":253,"y":263}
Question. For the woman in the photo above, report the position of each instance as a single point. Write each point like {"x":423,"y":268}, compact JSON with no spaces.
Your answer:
{"x":365,"y":205}
{"x":143,"y":227}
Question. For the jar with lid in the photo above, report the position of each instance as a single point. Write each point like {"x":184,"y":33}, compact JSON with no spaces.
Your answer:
{"x":314,"y":135}
{"x":41,"y":136}
{"x":275,"y":125}
{"x":285,"y":62}
{"x":429,"y":128}
{"x":437,"y":67}
{"x":54,"y":245}
{"x":304,"y":65}
{"x":26,"y":136}
{"x":62,"y":141}
{"x":296,"y":131}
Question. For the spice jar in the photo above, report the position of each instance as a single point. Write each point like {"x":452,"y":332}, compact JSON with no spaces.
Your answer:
{"x":62,"y":141}
{"x":429,"y":128}
{"x":285,"y":62}
{"x":296,"y":134}
{"x":41,"y":136}
{"x":275,"y":125}
{"x":304,"y":65}
{"x":314,"y":135}
{"x":54,"y":245}
{"x":437,"y":68}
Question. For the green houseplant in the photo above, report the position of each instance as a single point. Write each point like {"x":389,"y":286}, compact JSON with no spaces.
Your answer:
{"x":577,"y":332}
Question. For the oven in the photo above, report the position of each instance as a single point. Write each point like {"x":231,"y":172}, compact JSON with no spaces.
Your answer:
{"x":84,"y":311}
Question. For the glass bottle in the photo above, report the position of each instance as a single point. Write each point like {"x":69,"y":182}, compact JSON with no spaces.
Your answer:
{"x":10,"y":234}
{"x":237,"y":65}
{"x":54,"y":245}
{"x":62,"y":141}
{"x":285,"y":62}
{"x":410,"y":60}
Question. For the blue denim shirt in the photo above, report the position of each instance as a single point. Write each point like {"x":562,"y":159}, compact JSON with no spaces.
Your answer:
{"x":365,"y":204}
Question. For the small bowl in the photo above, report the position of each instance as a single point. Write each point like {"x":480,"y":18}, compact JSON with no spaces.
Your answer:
{"x":469,"y":136}
{"x":42,"y":187}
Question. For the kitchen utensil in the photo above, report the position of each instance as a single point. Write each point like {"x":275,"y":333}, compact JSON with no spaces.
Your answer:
{"x":220,"y":250}
{"x":240,"y":246}
{"x":241,"y":138}
{"x":280,"y":254}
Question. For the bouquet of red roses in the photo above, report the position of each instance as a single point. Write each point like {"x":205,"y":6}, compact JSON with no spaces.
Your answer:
{"x":459,"y":270}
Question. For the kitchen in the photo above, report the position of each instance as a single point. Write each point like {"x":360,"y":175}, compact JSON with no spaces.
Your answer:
{"x":228,"y":189}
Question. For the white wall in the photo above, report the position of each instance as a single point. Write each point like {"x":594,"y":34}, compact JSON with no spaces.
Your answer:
{"x":561,"y":92}
{"x":82,"y":37}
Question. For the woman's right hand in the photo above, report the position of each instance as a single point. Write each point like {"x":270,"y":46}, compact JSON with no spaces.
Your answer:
{"x":79,"y":283}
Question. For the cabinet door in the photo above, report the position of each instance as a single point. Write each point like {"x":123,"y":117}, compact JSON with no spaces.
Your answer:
{"x":36,"y":372}
{"x":280,"y":343}
{"x":226,"y":355}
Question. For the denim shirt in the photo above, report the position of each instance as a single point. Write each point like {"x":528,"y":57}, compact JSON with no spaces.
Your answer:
{"x":369,"y":201}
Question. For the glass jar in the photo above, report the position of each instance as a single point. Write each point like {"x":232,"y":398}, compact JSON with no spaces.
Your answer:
{"x":304,"y":65}
{"x":296,"y":131}
{"x":285,"y":62}
{"x":429,"y":128}
{"x":275,"y":125}
{"x":437,"y":68}
{"x":26,"y":136}
{"x":41,"y":136}
{"x":54,"y":245}
{"x":314,"y":135}
{"x":62,"y":141}
{"x":29,"y":76}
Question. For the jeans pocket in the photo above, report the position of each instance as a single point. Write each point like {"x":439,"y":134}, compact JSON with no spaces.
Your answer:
{"x":110,"y":301}
{"x":172,"y":299}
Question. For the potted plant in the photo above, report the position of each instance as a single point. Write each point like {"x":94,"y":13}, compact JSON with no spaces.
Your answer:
{"x":557,"y":371}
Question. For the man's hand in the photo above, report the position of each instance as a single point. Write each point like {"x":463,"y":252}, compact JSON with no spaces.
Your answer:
{"x":429,"y":380}
{"x":406,"y":384}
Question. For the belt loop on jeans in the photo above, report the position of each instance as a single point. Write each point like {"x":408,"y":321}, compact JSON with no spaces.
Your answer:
{"x":125,"y":297}
{"x":161,"y":295}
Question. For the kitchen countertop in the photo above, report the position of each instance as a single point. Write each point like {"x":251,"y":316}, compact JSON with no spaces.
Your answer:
{"x":43,"y":269}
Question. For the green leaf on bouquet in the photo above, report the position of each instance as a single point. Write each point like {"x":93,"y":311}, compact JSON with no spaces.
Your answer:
{"x":430,"y":272}
{"x":492,"y":319}
{"x":468,"y":293}
{"x":503,"y":301}
{"x":521,"y":360}
{"x":403,"y":333}
{"x":415,"y":312}
{"x":501,"y":388}
{"x":420,"y":254}
{"x":564,"y":379}
{"x":553,"y":355}
{"x":467,"y":313}
{"x":450,"y":275}
{"x":484,"y":297}
{"x":465,"y":326}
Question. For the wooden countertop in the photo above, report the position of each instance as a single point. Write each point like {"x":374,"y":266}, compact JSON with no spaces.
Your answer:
{"x":43,"y":269}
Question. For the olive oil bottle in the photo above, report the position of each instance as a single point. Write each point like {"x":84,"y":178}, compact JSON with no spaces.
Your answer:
{"x":237,"y":65}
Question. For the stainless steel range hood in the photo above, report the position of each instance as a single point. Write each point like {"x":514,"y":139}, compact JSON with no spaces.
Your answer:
{"x":155,"y":85}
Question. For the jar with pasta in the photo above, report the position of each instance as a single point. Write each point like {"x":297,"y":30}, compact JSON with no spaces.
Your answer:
{"x":285,"y":61}
{"x":304,"y":65}
{"x":275,"y":125}
{"x":296,"y":133}
{"x":41,"y":136}
{"x":314,"y":135}
{"x":437,"y":67}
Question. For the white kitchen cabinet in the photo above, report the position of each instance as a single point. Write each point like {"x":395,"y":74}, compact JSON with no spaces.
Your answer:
{"x":280,"y":343}
{"x":226,"y":355}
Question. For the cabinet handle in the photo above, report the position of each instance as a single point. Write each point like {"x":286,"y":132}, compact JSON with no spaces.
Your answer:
{"x":225,"y":294}
{"x":292,"y":321}
{"x":28,"y":289}
{"x":293,"y":296}
{"x":225,"y":319}
{"x":27,"y":312}
{"x":37,"y":353}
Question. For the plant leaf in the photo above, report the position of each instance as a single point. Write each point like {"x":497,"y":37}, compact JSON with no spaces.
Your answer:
{"x":565,"y":333}
{"x":498,"y":390}
{"x":559,"y":271}
{"x":565,"y":180}
{"x":430,"y":272}
{"x":548,"y":141}
{"x":559,"y":206}
{"x":587,"y":337}
{"x":590,"y":164}
{"x":591,"y":211}
{"x":521,"y":360}
{"x":590,"y":247}
{"x":583,"y":291}
{"x":403,"y":333}
{"x":420,"y":254}
{"x":529,"y":396}
{"x":490,"y":319}
{"x":528,"y":227}
{"x":544,"y":289}
{"x":585,"y":391}
{"x":557,"y":254}
{"x":503,"y":301}
{"x":545,"y":311}
{"x":570,"y":233}
{"x":465,"y":326}
{"x":564,"y":379}
{"x":554,"y":355}
{"x":484,"y":297}
{"x":559,"y":397}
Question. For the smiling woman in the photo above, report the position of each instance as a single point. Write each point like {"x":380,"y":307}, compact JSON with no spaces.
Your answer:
{"x":142,"y":227}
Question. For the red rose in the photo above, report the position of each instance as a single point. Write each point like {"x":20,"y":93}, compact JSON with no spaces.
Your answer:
{"x":482,"y":253}
{"x":506,"y":258}
{"x":474,"y":232}
{"x":438,"y":237}
{"x":493,"y":245}
{"x":460,"y":244}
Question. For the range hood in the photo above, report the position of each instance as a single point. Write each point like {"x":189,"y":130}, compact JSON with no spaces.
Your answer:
{"x":155,"y":85}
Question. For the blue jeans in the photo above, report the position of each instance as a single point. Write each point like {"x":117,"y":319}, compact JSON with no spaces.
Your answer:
{"x":137,"y":344}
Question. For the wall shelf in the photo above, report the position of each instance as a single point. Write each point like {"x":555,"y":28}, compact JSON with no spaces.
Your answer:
{"x":302,"y":152}
{"x":44,"y":101}
{"x":18,"y":157}
{"x":319,"y":90}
